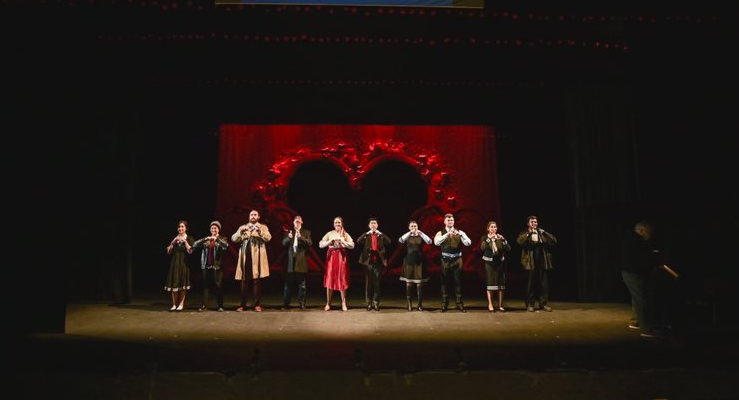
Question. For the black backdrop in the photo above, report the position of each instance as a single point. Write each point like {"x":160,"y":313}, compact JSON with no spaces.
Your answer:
{"x":108,"y":100}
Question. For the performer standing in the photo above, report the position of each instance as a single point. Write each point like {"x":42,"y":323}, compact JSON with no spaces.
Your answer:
{"x":336,"y":274}
{"x":536,"y":258}
{"x":642,"y":261}
{"x":414,"y":270}
{"x":178,"y":277}
{"x":451,"y":241}
{"x":252,"y":265}
{"x":211,"y":260}
{"x":373,"y":258}
{"x":494,"y":248}
{"x":297,"y":241}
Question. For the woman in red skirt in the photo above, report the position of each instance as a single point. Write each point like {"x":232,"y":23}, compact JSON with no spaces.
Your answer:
{"x":336,"y":274}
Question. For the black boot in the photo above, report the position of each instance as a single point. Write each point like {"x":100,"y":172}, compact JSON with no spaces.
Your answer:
{"x":444,"y":303}
{"x":420,"y":297}
{"x":301,"y":294}
{"x":205,"y":300}
{"x":460,"y":305}
{"x":408,"y":297}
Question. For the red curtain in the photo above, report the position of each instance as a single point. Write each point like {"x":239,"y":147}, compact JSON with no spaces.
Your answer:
{"x":249,"y":153}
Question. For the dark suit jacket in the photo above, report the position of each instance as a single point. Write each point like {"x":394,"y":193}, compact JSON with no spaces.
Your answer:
{"x":365,"y":258}
{"x":296,"y":261}
{"x":546,"y":241}
{"x":220,"y":249}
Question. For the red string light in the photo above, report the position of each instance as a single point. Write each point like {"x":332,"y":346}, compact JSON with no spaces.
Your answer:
{"x":407,"y":12}
{"x":595,"y":44}
{"x":350,"y":82}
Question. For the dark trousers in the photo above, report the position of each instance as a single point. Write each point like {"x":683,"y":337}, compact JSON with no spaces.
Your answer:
{"x":636,"y":285}
{"x":255,"y":284}
{"x":212,"y":279}
{"x":372,"y":283}
{"x":537,"y":287}
{"x":451,"y":271}
{"x":293,"y":279}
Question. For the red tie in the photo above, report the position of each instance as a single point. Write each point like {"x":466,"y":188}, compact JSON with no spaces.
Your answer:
{"x":374,"y":241}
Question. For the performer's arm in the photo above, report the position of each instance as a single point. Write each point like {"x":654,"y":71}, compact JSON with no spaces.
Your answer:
{"x":522,"y":238}
{"x":239,"y":235}
{"x":264,"y":233}
{"x":465,"y":240}
{"x":306,"y":239}
{"x":325,"y":241}
{"x":439,"y":238}
{"x":485,"y":243}
{"x":405,"y":237}
{"x":348,"y":241}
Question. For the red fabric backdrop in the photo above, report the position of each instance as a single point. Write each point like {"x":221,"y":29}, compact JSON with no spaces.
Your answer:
{"x":458,"y":163}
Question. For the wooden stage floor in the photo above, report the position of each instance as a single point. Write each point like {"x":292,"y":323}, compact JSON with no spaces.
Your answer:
{"x":580,"y":350}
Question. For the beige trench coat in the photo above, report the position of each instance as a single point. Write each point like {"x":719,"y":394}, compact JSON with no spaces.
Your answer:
{"x":259,"y":262}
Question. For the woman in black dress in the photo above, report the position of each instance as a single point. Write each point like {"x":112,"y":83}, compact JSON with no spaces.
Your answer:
{"x":178,"y":277}
{"x":494,"y":247}
{"x":414,"y":271}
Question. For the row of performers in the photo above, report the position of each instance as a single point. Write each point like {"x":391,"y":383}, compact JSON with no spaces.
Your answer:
{"x":253,"y":265}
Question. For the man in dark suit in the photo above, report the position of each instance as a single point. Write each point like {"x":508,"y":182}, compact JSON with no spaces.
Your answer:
{"x":297,"y":241}
{"x":536,"y":257}
{"x":373,"y":258}
{"x":211,"y":262}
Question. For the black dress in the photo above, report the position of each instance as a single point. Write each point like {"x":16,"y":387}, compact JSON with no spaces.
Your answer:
{"x":494,"y":259}
{"x":178,"y":277}
{"x":414,"y":271}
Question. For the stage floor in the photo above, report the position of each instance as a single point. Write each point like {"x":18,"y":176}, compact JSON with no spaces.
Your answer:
{"x":580,"y":343}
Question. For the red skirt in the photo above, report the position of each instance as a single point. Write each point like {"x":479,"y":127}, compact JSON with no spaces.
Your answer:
{"x":336,"y":275}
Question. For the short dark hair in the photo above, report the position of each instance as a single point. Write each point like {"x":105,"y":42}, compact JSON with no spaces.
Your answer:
{"x":644,"y":225}
{"x":448,"y":216}
{"x":372,"y":219}
{"x":530,"y":217}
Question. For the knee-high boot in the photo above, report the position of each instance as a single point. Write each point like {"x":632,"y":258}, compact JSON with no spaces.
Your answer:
{"x":408,"y":297}
{"x":460,"y":305}
{"x":420,"y":296}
